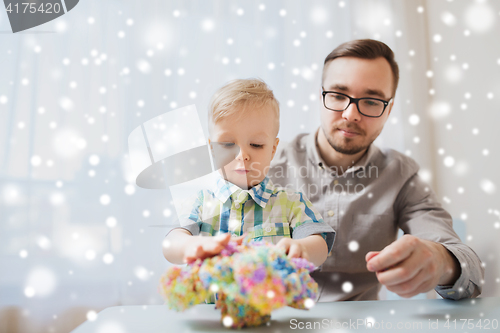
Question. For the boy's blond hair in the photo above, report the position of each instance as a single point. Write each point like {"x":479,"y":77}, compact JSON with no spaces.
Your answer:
{"x":240,"y":96}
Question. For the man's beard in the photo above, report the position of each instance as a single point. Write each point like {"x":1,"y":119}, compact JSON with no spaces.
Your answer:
{"x":345,"y":149}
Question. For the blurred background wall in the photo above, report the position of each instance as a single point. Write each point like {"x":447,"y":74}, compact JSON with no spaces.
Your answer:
{"x":77,"y":235}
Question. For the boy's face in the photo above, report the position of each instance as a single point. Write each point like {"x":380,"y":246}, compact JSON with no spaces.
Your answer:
{"x":252,"y":139}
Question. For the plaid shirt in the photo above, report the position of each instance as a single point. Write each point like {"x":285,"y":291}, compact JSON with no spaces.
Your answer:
{"x":265,"y":212}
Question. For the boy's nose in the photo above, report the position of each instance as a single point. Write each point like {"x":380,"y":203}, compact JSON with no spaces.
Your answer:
{"x":243,"y":155}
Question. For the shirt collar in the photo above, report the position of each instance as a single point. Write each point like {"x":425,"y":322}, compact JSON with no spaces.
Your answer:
{"x":260,"y":193}
{"x":312,"y":150}
{"x":313,"y":154}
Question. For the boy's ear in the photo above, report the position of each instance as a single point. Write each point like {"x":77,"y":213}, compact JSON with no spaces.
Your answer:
{"x":275,"y":146}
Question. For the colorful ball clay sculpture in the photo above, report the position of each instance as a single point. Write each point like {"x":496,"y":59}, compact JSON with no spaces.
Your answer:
{"x":250,"y":281}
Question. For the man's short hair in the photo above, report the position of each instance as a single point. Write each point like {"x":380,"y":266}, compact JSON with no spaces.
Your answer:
{"x":240,"y":96}
{"x":365,"y":49}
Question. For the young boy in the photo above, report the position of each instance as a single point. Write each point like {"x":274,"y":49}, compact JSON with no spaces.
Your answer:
{"x":243,"y":127}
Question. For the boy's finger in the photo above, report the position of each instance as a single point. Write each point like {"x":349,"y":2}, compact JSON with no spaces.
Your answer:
{"x":198,"y":253}
{"x":223,"y":239}
{"x":238,"y":239}
{"x":224,"y":242}
{"x":284,"y":246}
{"x":294,"y":251}
{"x":284,"y":243}
{"x":193,"y":255}
{"x":192,"y":251}
{"x":216,"y":249}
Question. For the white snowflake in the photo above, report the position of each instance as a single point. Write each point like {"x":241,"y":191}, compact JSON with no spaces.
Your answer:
{"x":318,"y":15}
{"x":439,"y":109}
{"x":91,"y":315}
{"x":353,"y":246}
{"x":111,"y":222}
{"x":104,"y":199}
{"x":90,"y":255}
{"x":36,"y":160}
{"x":208,"y":25}
{"x":141,"y":273}
{"x":42,"y":280}
{"x":448,"y":19}
{"x":414,"y":119}
{"x":449,"y":161}
{"x":108,"y":258}
{"x":94,"y":159}
{"x":488,"y":186}
{"x":453,"y":73}
{"x":23,"y":253}
{"x":143,"y":66}
{"x":347,"y":287}
{"x":479,"y":17}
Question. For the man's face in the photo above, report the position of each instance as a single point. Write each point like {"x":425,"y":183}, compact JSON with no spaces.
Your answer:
{"x":350,"y":132}
{"x":244,"y":146}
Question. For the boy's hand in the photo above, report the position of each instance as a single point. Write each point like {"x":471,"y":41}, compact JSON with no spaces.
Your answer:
{"x":204,"y":247}
{"x":293,"y":247}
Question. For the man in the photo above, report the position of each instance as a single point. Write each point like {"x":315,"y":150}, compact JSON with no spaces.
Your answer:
{"x":366,"y":193}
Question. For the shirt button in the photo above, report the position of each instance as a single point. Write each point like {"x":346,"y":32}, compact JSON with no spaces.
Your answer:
{"x":335,"y":182}
{"x":268,"y":229}
{"x":331,"y":213}
{"x":237,"y":205}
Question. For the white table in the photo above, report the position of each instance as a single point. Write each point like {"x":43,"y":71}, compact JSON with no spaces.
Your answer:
{"x":406,"y":315}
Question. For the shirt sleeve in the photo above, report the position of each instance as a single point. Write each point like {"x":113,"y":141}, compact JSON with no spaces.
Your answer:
{"x":191,"y":213}
{"x":421,"y":215}
{"x":305,"y":220}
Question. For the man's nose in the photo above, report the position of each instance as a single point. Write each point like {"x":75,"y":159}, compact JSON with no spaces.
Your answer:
{"x":351,"y":113}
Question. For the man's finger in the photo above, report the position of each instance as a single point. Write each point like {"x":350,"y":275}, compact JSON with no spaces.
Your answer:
{"x":392,"y":254}
{"x":370,"y":255}
{"x":402,"y":272}
{"x":424,"y":287}
{"x":411,"y":286}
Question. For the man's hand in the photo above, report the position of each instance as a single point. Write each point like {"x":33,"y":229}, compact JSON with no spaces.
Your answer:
{"x":410,"y":266}
{"x":293,"y":247}
{"x":204,"y":247}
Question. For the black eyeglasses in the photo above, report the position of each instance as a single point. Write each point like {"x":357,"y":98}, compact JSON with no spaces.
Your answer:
{"x":369,"y":107}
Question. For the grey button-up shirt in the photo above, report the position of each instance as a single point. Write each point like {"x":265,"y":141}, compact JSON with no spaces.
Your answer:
{"x":366,"y":205}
